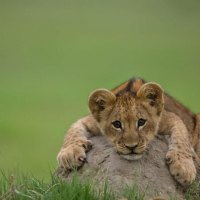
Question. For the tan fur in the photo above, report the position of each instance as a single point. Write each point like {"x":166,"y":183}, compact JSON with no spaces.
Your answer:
{"x":120,"y":88}
{"x":128,"y":103}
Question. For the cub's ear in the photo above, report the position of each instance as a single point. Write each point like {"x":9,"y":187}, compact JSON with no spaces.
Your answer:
{"x":153,"y":94}
{"x":99,"y":101}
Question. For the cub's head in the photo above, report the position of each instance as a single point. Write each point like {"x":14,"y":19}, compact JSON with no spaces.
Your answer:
{"x":129,"y":117}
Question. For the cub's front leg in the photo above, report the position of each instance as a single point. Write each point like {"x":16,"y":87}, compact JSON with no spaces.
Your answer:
{"x":77,"y":143}
{"x":179,"y":156}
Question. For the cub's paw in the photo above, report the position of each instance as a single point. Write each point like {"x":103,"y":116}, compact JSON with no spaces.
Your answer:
{"x":181,"y":167}
{"x":74,"y":155}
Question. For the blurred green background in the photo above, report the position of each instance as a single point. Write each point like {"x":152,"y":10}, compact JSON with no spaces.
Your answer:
{"x":54,"y":53}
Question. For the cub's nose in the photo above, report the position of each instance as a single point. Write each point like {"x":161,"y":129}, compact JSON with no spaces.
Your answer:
{"x":131,"y":147}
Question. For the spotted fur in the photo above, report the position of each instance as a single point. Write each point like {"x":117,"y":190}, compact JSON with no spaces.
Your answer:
{"x":130,"y":116}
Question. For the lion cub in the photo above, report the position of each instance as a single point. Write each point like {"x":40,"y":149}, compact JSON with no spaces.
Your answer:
{"x":130,"y":116}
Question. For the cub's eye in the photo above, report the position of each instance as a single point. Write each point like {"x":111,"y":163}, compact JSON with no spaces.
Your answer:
{"x":117,"y":124}
{"x":141,"y":122}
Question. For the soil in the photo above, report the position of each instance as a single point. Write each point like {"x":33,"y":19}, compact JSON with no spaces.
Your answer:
{"x":150,"y":173}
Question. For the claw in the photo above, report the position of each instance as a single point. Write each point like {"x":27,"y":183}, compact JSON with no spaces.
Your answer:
{"x":82,"y":159}
{"x":168,"y":160}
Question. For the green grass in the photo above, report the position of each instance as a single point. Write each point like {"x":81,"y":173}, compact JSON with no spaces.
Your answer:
{"x":27,"y":187}
{"x":54,"y":53}
{"x":193,"y":193}
{"x":133,"y":192}
{"x":16,"y":187}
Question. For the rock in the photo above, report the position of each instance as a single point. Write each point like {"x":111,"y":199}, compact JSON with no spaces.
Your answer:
{"x":150,"y":174}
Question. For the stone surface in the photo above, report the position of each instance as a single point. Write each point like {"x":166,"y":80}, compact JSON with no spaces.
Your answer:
{"x":150,"y":173}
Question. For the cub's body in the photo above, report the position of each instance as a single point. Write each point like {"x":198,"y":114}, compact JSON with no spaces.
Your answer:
{"x":130,"y":116}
